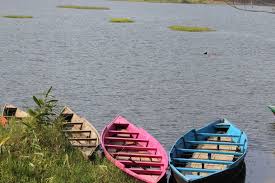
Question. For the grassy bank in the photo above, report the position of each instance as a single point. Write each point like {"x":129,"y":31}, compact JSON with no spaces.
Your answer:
{"x":190,"y":29}
{"x":84,"y":7}
{"x":17,"y":16}
{"x":121,"y":20}
{"x":35,"y":150}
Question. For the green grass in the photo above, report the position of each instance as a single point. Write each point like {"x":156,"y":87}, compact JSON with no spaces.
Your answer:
{"x":43,"y":155}
{"x":190,"y":29}
{"x":84,"y":7}
{"x":35,"y":150}
{"x":17,"y":16}
{"x":121,"y":20}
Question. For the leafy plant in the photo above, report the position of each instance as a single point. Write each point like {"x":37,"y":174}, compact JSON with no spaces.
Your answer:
{"x":44,"y":112}
{"x":2,"y":142}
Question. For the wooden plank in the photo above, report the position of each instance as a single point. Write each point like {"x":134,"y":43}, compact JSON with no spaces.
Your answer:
{"x":146,"y":172}
{"x":136,"y":155}
{"x":215,"y":143}
{"x":209,"y":151}
{"x":216,"y":135}
{"x":222,"y":125}
{"x":126,"y":139}
{"x":196,"y":170}
{"x":141,"y":163}
{"x":122,"y":132}
{"x":77,"y":131}
{"x":138,"y":148}
{"x":73,"y":123}
{"x":190,"y":160}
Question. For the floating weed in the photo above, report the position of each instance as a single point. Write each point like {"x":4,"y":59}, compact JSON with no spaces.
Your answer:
{"x":121,"y":20}
{"x":84,"y":7}
{"x":190,"y":28}
{"x":17,"y":16}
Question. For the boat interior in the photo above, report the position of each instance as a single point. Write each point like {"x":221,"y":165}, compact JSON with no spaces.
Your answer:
{"x":10,"y":111}
{"x":79,"y":132}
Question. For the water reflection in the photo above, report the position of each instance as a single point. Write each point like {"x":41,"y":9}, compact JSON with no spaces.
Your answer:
{"x":272,"y":126}
{"x":235,"y":178}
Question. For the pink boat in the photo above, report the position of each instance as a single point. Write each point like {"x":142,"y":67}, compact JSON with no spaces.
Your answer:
{"x":134,"y":151}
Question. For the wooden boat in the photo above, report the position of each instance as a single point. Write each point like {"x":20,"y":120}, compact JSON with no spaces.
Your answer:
{"x":272,"y":108}
{"x":9,"y":111}
{"x":210,"y":154}
{"x":134,"y":151}
{"x":80,"y":132}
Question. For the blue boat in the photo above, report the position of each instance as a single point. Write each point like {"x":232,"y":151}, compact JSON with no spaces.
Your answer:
{"x":211,"y":154}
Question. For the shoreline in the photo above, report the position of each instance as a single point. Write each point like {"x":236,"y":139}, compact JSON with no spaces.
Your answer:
{"x":206,"y":2}
{"x":177,"y":1}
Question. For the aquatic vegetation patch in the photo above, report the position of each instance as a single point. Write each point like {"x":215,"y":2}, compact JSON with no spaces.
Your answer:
{"x":190,"y":28}
{"x":121,"y":20}
{"x":84,"y":7}
{"x":17,"y":16}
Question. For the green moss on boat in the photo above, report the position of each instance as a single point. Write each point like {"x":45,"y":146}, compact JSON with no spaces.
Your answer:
{"x":84,"y":7}
{"x":190,"y":29}
{"x":17,"y":16}
{"x":121,"y":20}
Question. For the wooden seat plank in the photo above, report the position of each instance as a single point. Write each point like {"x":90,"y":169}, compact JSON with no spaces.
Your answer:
{"x":146,"y":172}
{"x":137,"y":148}
{"x":141,"y":163}
{"x":125,"y":139}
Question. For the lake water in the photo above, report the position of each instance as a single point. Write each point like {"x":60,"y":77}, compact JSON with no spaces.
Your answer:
{"x":157,"y":78}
